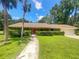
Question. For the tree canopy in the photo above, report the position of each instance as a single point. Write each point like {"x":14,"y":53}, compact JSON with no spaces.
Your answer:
{"x":66,"y":10}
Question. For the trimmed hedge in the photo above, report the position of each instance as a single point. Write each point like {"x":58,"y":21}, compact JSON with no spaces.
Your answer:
{"x":58,"y":33}
{"x":44,"y":33}
{"x":17,"y":33}
{"x":49,"y":33}
{"x":14,"y":33}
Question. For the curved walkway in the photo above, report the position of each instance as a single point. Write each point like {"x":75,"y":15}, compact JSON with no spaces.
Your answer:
{"x":30,"y":51}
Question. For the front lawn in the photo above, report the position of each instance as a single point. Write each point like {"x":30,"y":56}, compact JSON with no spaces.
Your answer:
{"x":1,"y":37}
{"x":1,"y":32}
{"x":12,"y":49}
{"x":58,"y":47}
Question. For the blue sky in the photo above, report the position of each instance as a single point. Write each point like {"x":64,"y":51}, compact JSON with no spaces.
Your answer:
{"x":39,"y":9}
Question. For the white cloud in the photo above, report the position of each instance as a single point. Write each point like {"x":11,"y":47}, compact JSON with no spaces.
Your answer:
{"x":38,"y":4}
{"x":40,"y":17}
{"x":16,"y":18}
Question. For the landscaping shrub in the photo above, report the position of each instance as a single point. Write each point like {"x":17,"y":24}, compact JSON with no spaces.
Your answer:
{"x":77,"y":31}
{"x":58,"y":33}
{"x":44,"y":33}
{"x":17,"y":33}
{"x":27,"y":33}
{"x":14,"y":33}
{"x":49,"y":33}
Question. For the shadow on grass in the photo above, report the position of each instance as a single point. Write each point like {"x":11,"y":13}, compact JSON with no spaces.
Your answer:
{"x":19,"y":41}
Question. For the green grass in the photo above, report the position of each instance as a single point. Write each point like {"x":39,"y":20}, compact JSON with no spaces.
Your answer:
{"x":1,"y":32}
{"x":12,"y":49}
{"x":58,"y":47}
{"x":1,"y":37}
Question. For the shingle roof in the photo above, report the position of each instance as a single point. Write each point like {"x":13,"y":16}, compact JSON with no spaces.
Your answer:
{"x":30,"y":25}
{"x":42,"y":25}
{"x":62,"y":26}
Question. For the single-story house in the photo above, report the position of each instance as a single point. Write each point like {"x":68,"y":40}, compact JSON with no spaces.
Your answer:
{"x":67,"y":29}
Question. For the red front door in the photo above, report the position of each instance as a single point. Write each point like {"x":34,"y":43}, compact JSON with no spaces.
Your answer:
{"x":33,"y":30}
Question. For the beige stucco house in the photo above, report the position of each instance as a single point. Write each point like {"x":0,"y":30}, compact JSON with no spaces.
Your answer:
{"x":67,"y":29}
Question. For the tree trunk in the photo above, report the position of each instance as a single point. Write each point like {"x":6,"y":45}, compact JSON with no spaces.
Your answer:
{"x":22,"y":29}
{"x":5,"y":24}
{"x":75,"y":20}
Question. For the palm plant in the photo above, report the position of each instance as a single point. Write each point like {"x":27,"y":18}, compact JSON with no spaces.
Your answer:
{"x":26,"y":8}
{"x":7,"y":4}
